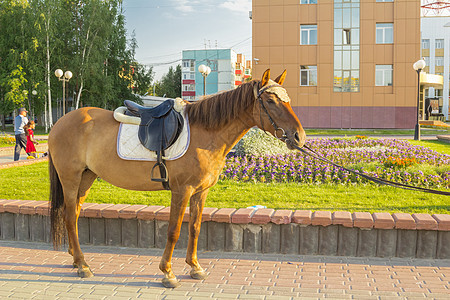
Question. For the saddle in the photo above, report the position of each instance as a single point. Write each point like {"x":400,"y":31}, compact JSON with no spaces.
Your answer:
{"x":160,"y":127}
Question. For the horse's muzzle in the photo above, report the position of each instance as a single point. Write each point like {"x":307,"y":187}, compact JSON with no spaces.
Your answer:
{"x":296,"y":140}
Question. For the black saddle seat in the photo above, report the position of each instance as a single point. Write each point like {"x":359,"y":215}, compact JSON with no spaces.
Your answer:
{"x":160,"y":127}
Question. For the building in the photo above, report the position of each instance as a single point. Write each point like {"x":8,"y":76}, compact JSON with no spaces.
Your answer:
{"x":243,"y":69}
{"x":435,"y":32}
{"x":222,"y":77}
{"x":349,"y":62}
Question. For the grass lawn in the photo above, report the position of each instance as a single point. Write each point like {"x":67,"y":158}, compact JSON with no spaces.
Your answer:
{"x":31,"y":183}
{"x":438,"y":146}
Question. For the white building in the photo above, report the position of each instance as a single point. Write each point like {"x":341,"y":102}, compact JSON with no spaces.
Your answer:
{"x":435,"y":33}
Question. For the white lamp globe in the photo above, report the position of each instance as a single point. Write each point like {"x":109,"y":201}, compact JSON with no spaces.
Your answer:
{"x":34,"y":92}
{"x":68,"y":74}
{"x":202,"y":69}
{"x":208,"y":70}
{"x":419,"y":65}
{"x":59,"y":73}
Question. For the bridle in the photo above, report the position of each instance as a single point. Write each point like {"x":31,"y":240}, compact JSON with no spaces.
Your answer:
{"x":310,"y":152}
{"x":282,"y":137}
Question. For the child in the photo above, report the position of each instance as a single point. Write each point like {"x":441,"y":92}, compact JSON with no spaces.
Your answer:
{"x":31,"y":150}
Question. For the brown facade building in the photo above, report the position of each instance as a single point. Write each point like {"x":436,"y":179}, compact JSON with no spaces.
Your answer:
{"x":349,"y":62}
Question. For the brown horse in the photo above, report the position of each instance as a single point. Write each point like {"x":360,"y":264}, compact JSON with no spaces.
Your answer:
{"x":82,"y":147}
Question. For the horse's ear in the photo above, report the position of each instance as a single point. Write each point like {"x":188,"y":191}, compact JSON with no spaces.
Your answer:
{"x":265,"y":78}
{"x":280,"y":79}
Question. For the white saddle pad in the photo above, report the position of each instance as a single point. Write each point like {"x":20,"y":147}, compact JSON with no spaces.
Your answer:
{"x":130,"y":148}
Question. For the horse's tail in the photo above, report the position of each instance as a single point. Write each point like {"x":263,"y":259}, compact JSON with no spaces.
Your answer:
{"x":56,"y":206}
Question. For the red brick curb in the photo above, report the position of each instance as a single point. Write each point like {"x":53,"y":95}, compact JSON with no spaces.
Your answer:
{"x":365,"y":220}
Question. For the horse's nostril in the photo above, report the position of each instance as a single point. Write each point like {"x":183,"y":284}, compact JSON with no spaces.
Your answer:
{"x":296,"y":137}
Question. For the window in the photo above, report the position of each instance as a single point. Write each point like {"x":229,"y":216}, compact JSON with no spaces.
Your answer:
{"x":385,"y":33}
{"x":439,"y":44}
{"x":308,"y":75}
{"x":346,"y":36}
{"x":427,"y":60}
{"x":188,"y":87}
{"x":425,"y":44}
{"x":439,"y":61}
{"x":383,"y":75}
{"x":308,"y":34}
{"x":308,"y":1}
{"x":385,"y":0}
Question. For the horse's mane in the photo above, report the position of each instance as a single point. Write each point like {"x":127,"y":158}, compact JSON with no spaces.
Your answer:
{"x":219,"y":109}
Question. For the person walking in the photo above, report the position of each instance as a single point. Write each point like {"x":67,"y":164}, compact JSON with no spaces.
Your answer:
{"x":21,"y":139}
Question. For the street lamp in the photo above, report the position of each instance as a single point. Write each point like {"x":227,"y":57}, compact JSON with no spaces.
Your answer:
{"x":67,"y":75}
{"x":34,"y":93}
{"x":418,"y":66}
{"x":204,"y":70}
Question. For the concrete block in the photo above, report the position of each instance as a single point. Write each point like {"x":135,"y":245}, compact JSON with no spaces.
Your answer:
{"x":161,"y":233}
{"x":47,"y":229}
{"x":234,"y":237}
{"x":386,"y":242}
{"x":83,"y":231}
{"x":347,"y":241}
{"x":252,"y":238}
{"x":367,"y":243}
{"x":97,"y":231}
{"x":406,"y":243}
{"x":426,"y":243}
{"x":146,"y":233}
{"x":22,"y":227}
{"x":113,"y":232}
{"x":443,"y":249}
{"x":182,"y":242}
{"x":289,"y":238}
{"x":37,"y":232}
{"x":216,"y":236}
{"x":8,"y":226}
{"x":129,"y":232}
{"x":309,"y":240}
{"x":328,"y":240}
{"x":271,"y":238}
{"x":202,"y":243}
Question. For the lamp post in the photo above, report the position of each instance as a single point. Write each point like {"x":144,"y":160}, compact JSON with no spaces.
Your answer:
{"x":67,"y":75}
{"x":204,"y":70}
{"x":418,"y":66}
{"x":34,"y":93}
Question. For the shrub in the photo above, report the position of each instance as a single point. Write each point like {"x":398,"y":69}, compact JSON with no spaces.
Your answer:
{"x":256,"y":142}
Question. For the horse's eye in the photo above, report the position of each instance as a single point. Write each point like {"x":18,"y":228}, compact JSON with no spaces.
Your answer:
{"x":271,"y":101}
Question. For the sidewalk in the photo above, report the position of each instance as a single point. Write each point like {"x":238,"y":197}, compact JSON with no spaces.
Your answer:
{"x":31,"y":270}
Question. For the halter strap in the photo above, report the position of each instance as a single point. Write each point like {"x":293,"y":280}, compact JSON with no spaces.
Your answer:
{"x":277,"y":129}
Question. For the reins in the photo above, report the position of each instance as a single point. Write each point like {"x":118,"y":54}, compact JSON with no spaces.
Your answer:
{"x":314,"y":154}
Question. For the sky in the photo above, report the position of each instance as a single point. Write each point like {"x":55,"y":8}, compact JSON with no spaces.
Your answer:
{"x":164,"y":28}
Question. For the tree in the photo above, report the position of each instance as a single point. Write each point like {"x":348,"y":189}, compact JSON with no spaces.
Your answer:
{"x":170,"y":84}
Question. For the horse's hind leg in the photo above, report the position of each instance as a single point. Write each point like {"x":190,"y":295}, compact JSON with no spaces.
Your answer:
{"x":75,"y":197}
{"x":195,"y":221}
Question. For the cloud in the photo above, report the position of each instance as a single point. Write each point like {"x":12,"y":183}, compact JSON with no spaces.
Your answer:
{"x":184,"y":6}
{"x":238,"y":5}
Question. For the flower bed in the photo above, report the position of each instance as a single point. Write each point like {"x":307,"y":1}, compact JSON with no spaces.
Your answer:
{"x":390,"y":159}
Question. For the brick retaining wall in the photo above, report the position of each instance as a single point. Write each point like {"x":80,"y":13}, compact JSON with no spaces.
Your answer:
{"x":302,"y":232}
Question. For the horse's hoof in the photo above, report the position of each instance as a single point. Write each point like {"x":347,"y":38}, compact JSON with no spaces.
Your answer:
{"x":170,"y":282}
{"x":200,"y":275}
{"x":75,"y":265}
{"x":85,"y":273}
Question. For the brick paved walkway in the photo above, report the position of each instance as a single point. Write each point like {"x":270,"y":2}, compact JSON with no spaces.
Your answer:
{"x":35,"y":271}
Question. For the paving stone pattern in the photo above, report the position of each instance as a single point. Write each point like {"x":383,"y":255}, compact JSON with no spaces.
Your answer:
{"x":32,"y":270}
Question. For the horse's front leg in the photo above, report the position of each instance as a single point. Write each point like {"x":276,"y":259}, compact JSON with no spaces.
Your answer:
{"x":177,"y":208}
{"x":195,"y":223}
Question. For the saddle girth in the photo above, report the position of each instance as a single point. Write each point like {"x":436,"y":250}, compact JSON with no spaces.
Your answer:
{"x":159,"y":128}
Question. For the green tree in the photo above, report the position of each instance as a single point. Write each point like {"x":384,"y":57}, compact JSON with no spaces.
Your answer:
{"x":170,"y":84}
